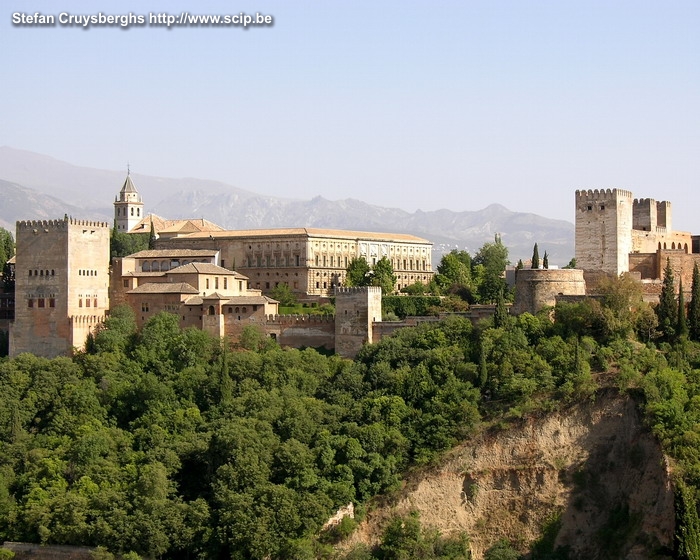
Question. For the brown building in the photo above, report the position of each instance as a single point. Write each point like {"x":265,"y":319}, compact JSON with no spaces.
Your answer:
{"x":311,"y":261}
{"x":61,"y":284}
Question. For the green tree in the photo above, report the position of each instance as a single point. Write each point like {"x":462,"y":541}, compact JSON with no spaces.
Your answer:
{"x":545,"y":261}
{"x":122,"y":244}
{"x":694,"y":310}
{"x":682,"y":324}
{"x":667,"y":310}
{"x":492,"y":260}
{"x":7,"y":248}
{"x":358,"y":272}
{"x":152,"y":238}
{"x":520,"y":265}
{"x":572,"y":263}
{"x":454,"y":268}
{"x":500,"y":316}
{"x":535,"y":257}
{"x":283,"y":293}
{"x":383,"y":276}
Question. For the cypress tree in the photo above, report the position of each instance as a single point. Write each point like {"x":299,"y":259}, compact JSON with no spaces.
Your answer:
{"x":535,"y":257}
{"x":682,"y":325}
{"x":694,"y":311}
{"x":500,"y":316}
{"x":667,"y":309}
{"x":520,"y":265}
{"x":545,"y":260}
{"x":152,"y":237}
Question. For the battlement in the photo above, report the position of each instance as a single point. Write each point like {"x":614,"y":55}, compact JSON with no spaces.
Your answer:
{"x":602,"y":194}
{"x":300,"y":319}
{"x":357,"y":290}
{"x":85,"y":319}
{"x":59,"y":225}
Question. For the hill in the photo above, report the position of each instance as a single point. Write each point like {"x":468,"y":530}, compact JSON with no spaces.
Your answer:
{"x":45,"y":187}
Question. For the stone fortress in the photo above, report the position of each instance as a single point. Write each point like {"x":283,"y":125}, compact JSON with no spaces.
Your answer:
{"x":615,"y":234}
{"x":65,"y":287}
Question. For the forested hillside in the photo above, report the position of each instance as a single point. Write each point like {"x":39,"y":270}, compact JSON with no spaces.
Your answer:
{"x":168,"y":444}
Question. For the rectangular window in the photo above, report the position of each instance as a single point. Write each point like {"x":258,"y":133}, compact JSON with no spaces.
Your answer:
{"x":267,"y":285}
{"x":41,"y":302}
{"x":296,"y":257}
{"x":94,"y":302}
{"x":52,"y":302}
{"x":87,"y":302}
{"x":225,"y":283}
{"x":126,"y":282}
{"x":240,"y":285}
{"x":223,"y":263}
{"x":216,"y":283}
{"x":80,"y":302}
{"x":30,"y":303}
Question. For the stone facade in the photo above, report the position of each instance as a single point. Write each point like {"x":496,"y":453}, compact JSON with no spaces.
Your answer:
{"x":616,"y":234}
{"x":312,"y":262}
{"x":538,"y":288}
{"x":356,"y":310}
{"x":61,"y":284}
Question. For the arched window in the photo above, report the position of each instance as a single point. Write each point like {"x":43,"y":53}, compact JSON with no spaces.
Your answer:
{"x":211,"y":310}
{"x":146,"y":266}
{"x":238,"y":310}
{"x":155,"y":267}
{"x":673,"y":245}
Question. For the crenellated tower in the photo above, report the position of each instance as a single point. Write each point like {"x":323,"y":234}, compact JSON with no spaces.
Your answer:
{"x":128,"y":206}
{"x":356,"y":308}
{"x":61,"y":284}
{"x":604,"y":222}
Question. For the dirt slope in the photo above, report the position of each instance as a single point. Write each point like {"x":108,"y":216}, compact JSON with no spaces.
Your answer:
{"x":593,"y":465}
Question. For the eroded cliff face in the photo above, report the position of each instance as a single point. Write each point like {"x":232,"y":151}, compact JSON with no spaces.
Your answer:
{"x":593,"y":467}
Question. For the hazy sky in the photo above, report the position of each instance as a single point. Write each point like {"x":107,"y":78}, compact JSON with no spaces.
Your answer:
{"x":410,"y":104}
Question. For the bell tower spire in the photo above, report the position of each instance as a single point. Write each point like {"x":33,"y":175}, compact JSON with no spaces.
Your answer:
{"x":128,"y":206}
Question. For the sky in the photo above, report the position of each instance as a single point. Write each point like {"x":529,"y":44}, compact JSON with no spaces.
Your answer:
{"x":408,"y":104}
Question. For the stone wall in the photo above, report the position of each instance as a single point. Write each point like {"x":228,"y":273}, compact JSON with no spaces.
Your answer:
{"x":356,"y":309}
{"x":538,"y":288}
{"x":61,"y":284}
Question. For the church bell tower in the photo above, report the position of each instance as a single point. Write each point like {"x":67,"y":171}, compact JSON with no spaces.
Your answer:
{"x":128,"y":207}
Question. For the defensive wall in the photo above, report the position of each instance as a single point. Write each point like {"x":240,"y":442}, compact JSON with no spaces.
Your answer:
{"x":538,"y":288}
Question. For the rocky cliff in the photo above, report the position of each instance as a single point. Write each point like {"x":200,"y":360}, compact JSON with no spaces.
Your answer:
{"x":590,"y":476}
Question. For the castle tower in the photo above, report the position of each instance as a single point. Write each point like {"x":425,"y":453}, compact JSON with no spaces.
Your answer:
{"x":128,"y":206}
{"x":61,"y":284}
{"x":355,"y":311}
{"x":604,"y":221}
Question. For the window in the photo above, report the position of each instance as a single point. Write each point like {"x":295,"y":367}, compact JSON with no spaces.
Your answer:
{"x":94,"y":302}
{"x":243,"y":310}
{"x":206,"y":282}
{"x":126,"y":282}
{"x":52,"y":302}
{"x":53,"y":272}
{"x":216,"y":283}
{"x":30,"y":303}
{"x":225,"y":283}
{"x":138,"y":211}
{"x":80,"y":302}
{"x":267,"y":285}
{"x":223,"y":263}
{"x":296,"y":258}
{"x":87,"y":302}
{"x":132,"y":211}
{"x":41,"y":302}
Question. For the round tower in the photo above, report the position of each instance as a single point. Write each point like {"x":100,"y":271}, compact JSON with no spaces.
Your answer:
{"x":128,"y":206}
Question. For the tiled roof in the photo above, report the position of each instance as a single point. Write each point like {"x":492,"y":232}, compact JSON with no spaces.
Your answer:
{"x":204,"y":268}
{"x":128,"y":186}
{"x":237,"y":300}
{"x":165,"y":288}
{"x":311,"y":232}
{"x":173,"y":253}
{"x":162,"y":225}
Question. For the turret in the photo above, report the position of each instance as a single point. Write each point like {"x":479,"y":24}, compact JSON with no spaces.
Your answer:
{"x":128,"y":206}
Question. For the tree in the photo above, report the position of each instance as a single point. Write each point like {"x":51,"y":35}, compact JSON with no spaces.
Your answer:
{"x":384,"y":276}
{"x":694,"y":311}
{"x":667,"y":310}
{"x":492,"y":260}
{"x":520,"y":265}
{"x":283,"y":293}
{"x":122,"y":244}
{"x":572,"y":263}
{"x":152,"y":236}
{"x":545,"y":261}
{"x":358,"y":272}
{"x":535,"y":257}
{"x":455,"y":268}
{"x":7,"y":247}
{"x":500,"y":317}
{"x":682,"y":325}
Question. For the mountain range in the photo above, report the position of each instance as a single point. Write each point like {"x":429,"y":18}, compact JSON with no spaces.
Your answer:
{"x":36,"y":186}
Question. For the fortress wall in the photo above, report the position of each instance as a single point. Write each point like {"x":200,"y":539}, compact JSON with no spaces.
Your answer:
{"x":538,"y":288}
{"x":604,"y":221}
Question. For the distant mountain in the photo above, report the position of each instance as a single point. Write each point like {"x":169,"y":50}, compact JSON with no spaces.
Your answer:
{"x":35,"y":186}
